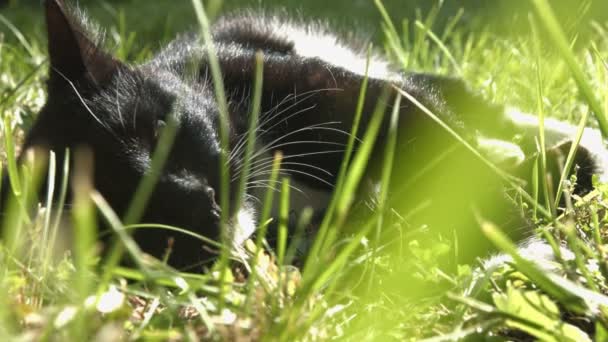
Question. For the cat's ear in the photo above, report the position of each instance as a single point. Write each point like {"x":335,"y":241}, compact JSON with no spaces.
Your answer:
{"x":73,"y":55}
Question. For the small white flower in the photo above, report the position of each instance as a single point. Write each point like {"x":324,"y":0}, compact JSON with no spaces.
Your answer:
{"x":181,"y":283}
{"x":228,"y":317}
{"x":110,"y":301}
{"x":65,"y":316}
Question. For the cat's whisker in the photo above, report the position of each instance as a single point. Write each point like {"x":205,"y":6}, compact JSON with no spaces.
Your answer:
{"x":268,"y":165}
{"x":304,"y":173}
{"x":270,"y":114}
{"x":250,"y":196}
{"x":268,"y":129}
{"x":266,"y":183}
{"x":81,"y":99}
{"x":272,"y":145}
{"x":265,"y":160}
{"x":136,"y":107}
{"x":315,"y":142}
{"x":118,"y":110}
{"x":263,"y":186}
{"x":239,"y":148}
{"x":297,"y":99}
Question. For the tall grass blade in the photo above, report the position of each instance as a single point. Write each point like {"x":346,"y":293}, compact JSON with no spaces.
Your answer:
{"x":253,"y":125}
{"x":538,"y":276}
{"x":85,"y":234}
{"x":20,"y":37}
{"x":347,"y":191}
{"x":303,"y":221}
{"x":441,"y":46}
{"x":283,"y":222}
{"x":114,"y":222}
{"x":512,"y":181}
{"x":571,"y":156}
{"x":63,"y":190}
{"x":545,"y":12}
{"x":385,"y":182}
{"x":321,"y":239}
{"x":202,"y":238}
{"x":9,"y":147}
{"x":540,"y":109}
{"x":262,"y":229}
{"x":218,"y":85}
{"x":142,"y":195}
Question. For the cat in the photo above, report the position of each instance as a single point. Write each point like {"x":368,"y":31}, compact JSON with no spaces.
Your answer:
{"x":311,"y":84}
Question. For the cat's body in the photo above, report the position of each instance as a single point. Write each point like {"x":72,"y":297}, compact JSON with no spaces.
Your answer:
{"x":311,"y":84}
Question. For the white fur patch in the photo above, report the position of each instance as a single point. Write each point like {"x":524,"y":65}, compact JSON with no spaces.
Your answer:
{"x":244,"y":225}
{"x":311,"y":42}
{"x":500,"y":152}
{"x":534,"y":250}
{"x":557,"y":131}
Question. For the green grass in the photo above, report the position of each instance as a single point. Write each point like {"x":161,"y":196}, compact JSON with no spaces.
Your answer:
{"x":354,"y":285}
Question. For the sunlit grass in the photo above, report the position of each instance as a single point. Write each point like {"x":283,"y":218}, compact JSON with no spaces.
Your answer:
{"x":346,"y":287}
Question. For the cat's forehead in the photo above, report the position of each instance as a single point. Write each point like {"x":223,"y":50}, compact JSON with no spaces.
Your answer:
{"x":154,"y":91}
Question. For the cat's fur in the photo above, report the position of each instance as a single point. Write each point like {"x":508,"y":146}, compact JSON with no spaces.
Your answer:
{"x":309,"y":97}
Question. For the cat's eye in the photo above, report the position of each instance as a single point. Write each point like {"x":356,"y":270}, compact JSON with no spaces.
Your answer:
{"x":158,"y":128}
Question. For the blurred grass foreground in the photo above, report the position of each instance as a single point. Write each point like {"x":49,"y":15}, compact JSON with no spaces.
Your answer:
{"x":390,"y":276}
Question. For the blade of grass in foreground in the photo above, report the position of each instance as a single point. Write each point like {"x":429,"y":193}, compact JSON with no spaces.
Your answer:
{"x":16,"y":217}
{"x":85,"y":235}
{"x":346,"y":193}
{"x":253,"y":125}
{"x":60,"y":203}
{"x":9,"y":146}
{"x":318,"y":274}
{"x":387,"y":168}
{"x":282,"y":241}
{"x":218,"y":85}
{"x":283,"y":222}
{"x":262,"y":229}
{"x":114,"y":222}
{"x":141,"y":196}
{"x":202,"y":238}
{"x":540,"y":109}
{"x":545,"y":12}
{"x":571,"y":155}
{"x":377,"y":221}
{"x":20,"y":37}
{"x":49,"y":200}
{"x":303,"y":222}
{"x":538,"y":277}
{"x":511,"y":180}
{"x":313,"y":283}
{"x":322,"y":240}
{"x":220,"y":96}
{"x":441,"y":46}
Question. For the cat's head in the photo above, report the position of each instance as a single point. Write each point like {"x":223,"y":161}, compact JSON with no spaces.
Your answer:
{"x":118,"y":111}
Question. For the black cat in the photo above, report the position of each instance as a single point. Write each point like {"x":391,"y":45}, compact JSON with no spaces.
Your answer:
{"x":309,"y":97}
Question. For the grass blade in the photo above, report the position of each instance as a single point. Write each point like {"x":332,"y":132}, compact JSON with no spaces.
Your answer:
{"x":253,"y":125}
{"x":545,"y":12}
{"x":539,"y":277}
{"x":142,"y":195}
{"x":261,"y":231}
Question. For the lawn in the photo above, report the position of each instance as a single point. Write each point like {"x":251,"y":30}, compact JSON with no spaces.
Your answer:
{"x":359,"y":286}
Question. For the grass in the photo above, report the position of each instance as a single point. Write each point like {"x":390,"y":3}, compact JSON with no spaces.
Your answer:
{"x":354,"y":285}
